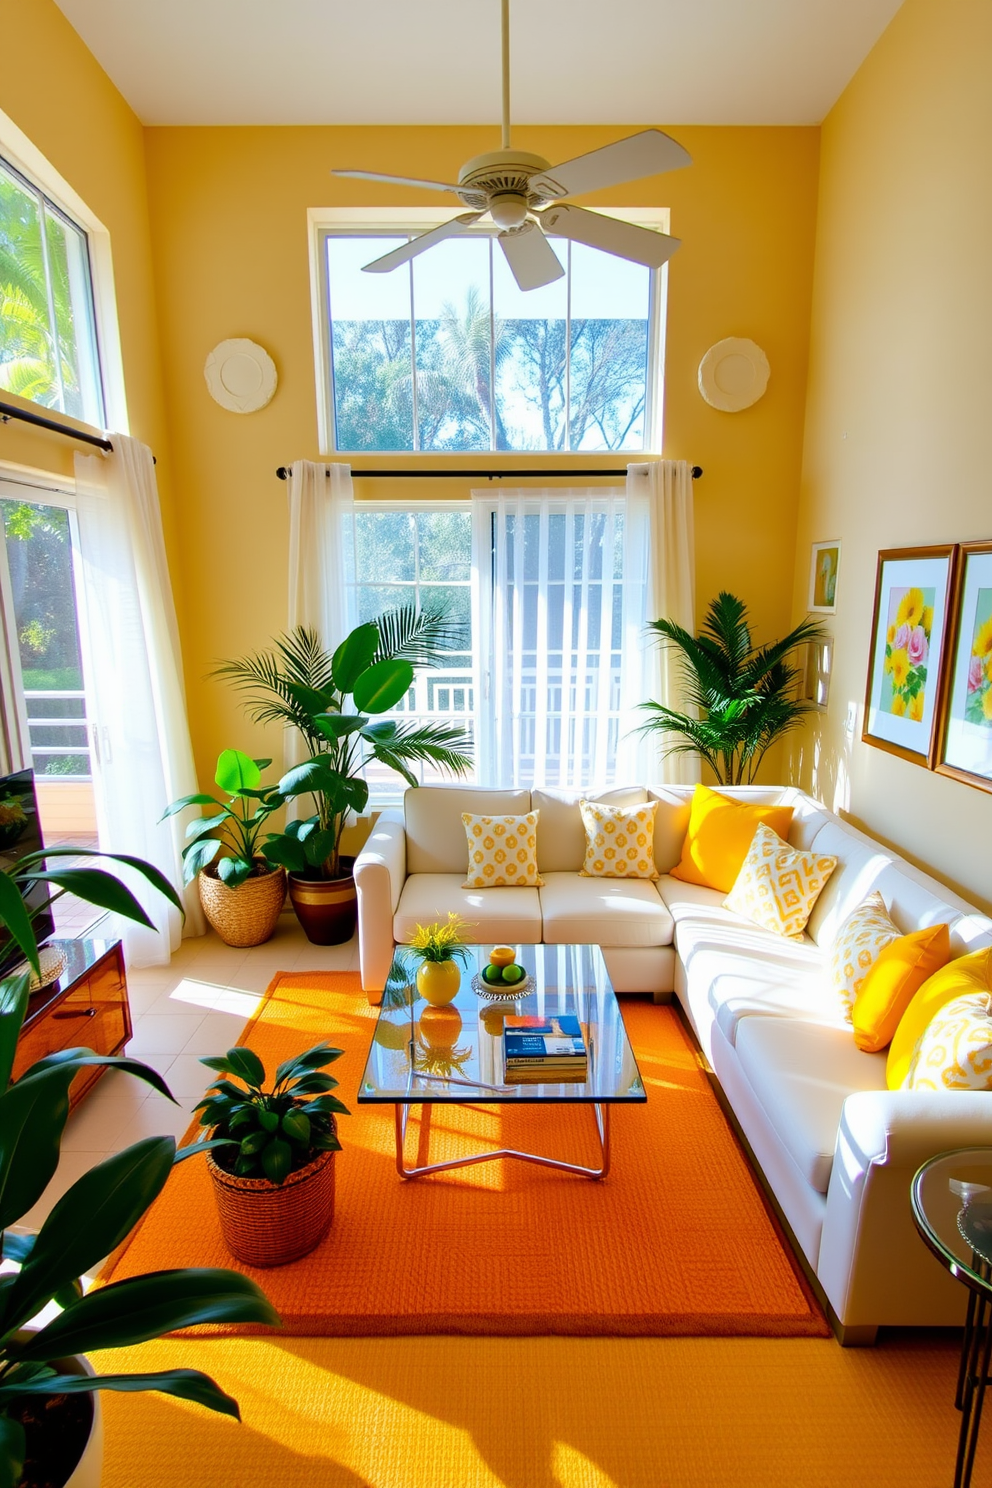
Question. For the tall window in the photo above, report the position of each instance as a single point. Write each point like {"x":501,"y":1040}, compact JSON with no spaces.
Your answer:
{"x":447,"y":354}
{"x":422,"y":556}
{"x":549,"y":590}
{"x":48,"y":344}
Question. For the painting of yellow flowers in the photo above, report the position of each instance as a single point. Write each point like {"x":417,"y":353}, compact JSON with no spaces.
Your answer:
{"x":907,"y":651}
{"x":966,"y":744}
{"x":907,"y":644}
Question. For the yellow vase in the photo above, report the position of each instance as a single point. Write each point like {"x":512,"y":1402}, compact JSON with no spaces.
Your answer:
{"x":438,"y":981}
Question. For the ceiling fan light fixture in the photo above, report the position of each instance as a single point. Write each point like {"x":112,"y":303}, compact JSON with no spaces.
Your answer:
{"x":508,"y":209}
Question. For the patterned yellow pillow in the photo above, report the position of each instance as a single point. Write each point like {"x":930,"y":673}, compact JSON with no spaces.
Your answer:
{"x":955,"y":1049}
{"x":778,"y":885}
{"x":858,"y":944}
{"x":619,"y":840}
{"x":502,"y":851}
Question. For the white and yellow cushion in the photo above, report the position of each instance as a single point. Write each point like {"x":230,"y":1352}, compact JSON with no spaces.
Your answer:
{"x":778,"y":885}
{"x":619,"y":840}
{"x":954,"y":1051}
{"x":502,"y":851}
{"x":859,"y":942}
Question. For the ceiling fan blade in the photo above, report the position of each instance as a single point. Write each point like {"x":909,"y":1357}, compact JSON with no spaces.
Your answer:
{"x":533,"y":262}
{"x":357,"y":175}
{"x":426,"y":240}
{"x":623,"y":239}
{"x":646,"y":154}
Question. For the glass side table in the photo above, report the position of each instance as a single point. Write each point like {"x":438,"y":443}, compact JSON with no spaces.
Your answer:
{"x":952,"y":1206}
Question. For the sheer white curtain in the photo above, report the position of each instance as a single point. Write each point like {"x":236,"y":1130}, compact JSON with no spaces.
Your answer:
{"x":663,"y":490}
{"x":559,"y":589}
{"x":321,"y":564}
{"x":132,"y":664}
{"x":321,"y":544}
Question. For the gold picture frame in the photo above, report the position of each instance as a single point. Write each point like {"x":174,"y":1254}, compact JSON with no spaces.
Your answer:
{"x":965,"y":734}
{"x":824,"y":573}
{"x":913,"y":589}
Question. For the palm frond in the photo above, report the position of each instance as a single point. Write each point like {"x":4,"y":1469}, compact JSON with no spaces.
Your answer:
{"x":439,"y":744}
{"x":419,"y":634}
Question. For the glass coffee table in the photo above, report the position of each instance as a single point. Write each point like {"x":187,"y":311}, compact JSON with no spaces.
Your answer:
{"x":952,"y":1206}
{"x":454,"y":1055}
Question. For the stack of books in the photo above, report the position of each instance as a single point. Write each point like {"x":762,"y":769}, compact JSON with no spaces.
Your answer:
{"x":543,"y":1050}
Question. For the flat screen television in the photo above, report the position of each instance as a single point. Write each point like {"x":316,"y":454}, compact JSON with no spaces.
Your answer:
{"x":20,"y":833}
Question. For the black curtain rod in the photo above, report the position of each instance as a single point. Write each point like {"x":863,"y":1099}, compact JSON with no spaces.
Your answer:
{"x":8,"y":411}
{"x":285,"y":471}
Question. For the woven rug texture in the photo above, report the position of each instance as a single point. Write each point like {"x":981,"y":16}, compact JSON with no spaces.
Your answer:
{"x":678,"y":1240}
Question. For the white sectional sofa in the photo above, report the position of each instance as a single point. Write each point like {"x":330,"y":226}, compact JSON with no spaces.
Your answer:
{"x":837,"y":1149}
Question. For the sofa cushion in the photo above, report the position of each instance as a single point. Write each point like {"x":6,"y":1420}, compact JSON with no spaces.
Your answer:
{"x":619,"y":840}
{"x":778,"y":884}
{"x":501,"y":851}
{"x":801,"y":1074}
{"x":435,"y":836}
{"x":511,"y":915}
{"x":963,"y":977}
{"x":690,"y":901}
{"x":912,"y":898}
{"x":732,"y":974}
{"x":719,"y":835}
{"x":893,"y":981}
{"x":671,"y":822}
{"x":603,"y":911}
{"x":561,"y":840}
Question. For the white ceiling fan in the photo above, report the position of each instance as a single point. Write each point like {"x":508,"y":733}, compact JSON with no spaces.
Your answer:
{"x":515,"y":188}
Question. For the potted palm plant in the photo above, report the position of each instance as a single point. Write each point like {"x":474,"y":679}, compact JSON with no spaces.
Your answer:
{"x":337,"y":702}
{"x":272,"y":1152}
{"x":744,"y":696}
{"x":49,"y":1423}
{"x":242,"y":893}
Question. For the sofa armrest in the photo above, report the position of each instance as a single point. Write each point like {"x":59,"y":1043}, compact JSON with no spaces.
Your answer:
{"x":380,"y":873}
{"x":872,"y":1263}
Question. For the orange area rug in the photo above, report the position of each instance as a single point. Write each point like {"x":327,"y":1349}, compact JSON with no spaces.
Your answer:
{"x":677,"y":1241}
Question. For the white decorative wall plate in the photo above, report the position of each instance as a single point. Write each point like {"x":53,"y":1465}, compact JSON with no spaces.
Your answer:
{"x":241,"y":375}
{"x":733,"y":374}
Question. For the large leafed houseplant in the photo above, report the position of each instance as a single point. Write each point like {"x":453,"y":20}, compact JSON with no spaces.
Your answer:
{"x":336,"y":702}
{"x":92,"y":1217}
{"x":743,"y":697}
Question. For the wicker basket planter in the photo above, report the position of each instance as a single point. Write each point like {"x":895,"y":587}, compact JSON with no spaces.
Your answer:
{"x":247,"y":915}
{"x":268,"y":1224}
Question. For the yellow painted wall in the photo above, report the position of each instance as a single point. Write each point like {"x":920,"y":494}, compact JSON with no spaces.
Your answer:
{"x":228,"y":211}
{"x":900,"y":388}
{"x":54,"y":90}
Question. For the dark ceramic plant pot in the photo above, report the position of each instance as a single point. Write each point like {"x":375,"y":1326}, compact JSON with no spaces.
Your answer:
{"x":327,"y":908}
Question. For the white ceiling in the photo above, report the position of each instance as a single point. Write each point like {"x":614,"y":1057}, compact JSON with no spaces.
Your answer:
{"x":437,"y":61}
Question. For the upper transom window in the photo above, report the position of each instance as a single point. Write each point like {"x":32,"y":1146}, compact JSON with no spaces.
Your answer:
{"x":48,"y":345}
{"x":447,"y":354}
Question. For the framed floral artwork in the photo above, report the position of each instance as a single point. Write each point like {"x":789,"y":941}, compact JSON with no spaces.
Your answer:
{"x":909,"y":627}
{"x":966,"y":723}
{"x":824,"y":570}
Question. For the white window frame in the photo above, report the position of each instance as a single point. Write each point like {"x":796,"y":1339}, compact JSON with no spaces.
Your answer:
{"x":324,"y":222}
{"x":25,"y":157}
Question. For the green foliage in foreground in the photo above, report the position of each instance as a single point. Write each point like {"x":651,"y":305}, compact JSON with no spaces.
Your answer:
{"x":97,"y":1212}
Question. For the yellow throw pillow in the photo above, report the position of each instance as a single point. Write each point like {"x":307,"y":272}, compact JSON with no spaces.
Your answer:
{"x":619,"y":840}
{"x":778,"y":885}
{"x":962,"y":977}
{"x":892,"y":983}
{"x":955,"y":1049}
{"x":719,"y":835}
{"x":860,"y":940}
{"x":502,"y":851}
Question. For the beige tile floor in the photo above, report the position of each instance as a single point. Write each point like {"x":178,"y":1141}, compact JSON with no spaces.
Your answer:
{"x":196,"y":1005}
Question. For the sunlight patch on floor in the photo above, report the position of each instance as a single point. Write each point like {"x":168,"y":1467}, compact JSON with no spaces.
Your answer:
{"x":215,"y":998}
{"x":573,"y":1469}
